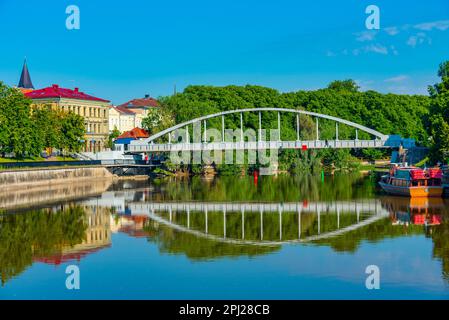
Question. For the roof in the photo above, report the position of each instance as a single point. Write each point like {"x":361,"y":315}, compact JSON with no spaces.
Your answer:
{"x":25,"y":78}
{"x":124,"y":110}
{"x":136,"y":133}
{"x":56,"y":92}
{"x":139,"y":103}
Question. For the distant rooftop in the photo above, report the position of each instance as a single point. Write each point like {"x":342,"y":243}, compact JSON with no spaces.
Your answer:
{"x":124,"y":110}
{"x":136,"y":133}
{"x":56,"y":92}
{"x":147,"y":101}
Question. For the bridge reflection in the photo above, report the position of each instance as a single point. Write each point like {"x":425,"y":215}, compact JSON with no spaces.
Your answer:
{"x":262,"y":223}
{"x":204,"y":230}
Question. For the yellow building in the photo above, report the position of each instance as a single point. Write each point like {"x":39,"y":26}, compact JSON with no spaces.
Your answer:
{"x":95,"y":111}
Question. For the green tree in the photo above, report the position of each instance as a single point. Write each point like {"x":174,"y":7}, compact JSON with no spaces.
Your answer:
{"x":158,"y":119}
{"x":405,"y":115}
{"x":439,"y":115}
{"x":18,"y":134}
{"x":112,"y":136}
{"x":48,"y":125}
{"x":344,"y":85}
{"x":72,"y":132}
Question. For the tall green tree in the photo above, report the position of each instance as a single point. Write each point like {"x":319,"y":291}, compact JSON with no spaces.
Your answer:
{"x":439,"y":115}
{"x":48,"y":125}
{"x":18,"y":135}
{"x":72,"y":132}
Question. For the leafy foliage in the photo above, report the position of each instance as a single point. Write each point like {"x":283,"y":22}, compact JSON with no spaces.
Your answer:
{"x":158,"y":119}
{"x":35,"y":234}
{"x":25,"y":132}
{"x":113,"y":135}
{"x":405,"y":115}
{"x":18,"y":134}
{"x":439,"y":116}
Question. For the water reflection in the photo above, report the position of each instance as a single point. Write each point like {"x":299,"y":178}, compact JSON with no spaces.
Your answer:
{"x":213,"y":220}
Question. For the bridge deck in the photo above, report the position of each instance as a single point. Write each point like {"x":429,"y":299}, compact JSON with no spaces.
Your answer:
{"x":261,"y":145}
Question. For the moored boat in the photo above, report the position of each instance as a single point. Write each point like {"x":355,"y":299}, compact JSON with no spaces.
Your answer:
{"x":446,"y":181}
{"x":413,"y":182}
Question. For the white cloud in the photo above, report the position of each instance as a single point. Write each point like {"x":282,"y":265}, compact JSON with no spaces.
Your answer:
{"x":441,"y":25}
{"x":414,"y":35}
{"x":418,"y":39}
{"x":392,"y":31}
{"x":412,"y":41}
{"x":376,"y":48}
{"x":364,"y":84}
{"x":397,"y":79}
{"x":366,"y":36}
{"x":399,"y":89}
{"x":394,"y":50}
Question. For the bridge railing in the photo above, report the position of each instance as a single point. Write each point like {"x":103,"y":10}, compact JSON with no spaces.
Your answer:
{"x":258,"y":145}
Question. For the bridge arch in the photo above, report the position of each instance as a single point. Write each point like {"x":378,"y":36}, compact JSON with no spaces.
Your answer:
{"x":375,"y":133}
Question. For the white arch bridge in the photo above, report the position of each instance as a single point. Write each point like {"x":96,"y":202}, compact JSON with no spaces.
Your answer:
{"x":365,"y":211}
{"x":378,"y":140}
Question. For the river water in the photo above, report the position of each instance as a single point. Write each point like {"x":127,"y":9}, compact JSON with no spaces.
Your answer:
{"x":224,"y":238}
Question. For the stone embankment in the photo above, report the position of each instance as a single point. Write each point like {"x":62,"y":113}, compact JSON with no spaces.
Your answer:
{"x":34,"y":187}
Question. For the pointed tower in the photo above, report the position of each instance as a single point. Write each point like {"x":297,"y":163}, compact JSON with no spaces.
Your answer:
{"x":25,"y":79}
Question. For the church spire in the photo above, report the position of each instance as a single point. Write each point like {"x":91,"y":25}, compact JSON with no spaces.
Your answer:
{"x":25,"y":79}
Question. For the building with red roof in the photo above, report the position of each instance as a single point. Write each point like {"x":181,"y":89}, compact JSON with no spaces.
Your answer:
{"x":146,"y":102}
{"x":94,"y":110}
{"x":139,"y":107}
{"x":135,"y":134}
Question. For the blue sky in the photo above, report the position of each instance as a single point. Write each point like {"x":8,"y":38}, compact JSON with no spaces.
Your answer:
{"x":126,"y":49}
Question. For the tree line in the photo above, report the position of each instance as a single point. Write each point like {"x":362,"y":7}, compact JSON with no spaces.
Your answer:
{"x":423,"y":118}
{"x":438,"y":123}
{"x":26,"y":132}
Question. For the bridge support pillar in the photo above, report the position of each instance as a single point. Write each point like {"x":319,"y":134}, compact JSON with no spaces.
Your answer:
{"x":243,"y":223}
{"x":224,"y":223}
{"x":279,"y":126}
{"x":297,"y":127}
{"x":336,"y":131}
{"x":280,"y":224}
{"x":188,"y":218}
{"x":241,"y":127}
{"x":223,"y":128}
{"x":319,"y":221}
{"x":317,"y":129}
{"x":206,"y":222}
{"x":338,"y":218}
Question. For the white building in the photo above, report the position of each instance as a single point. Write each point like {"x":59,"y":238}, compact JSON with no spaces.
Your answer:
{"x":122,"y":119}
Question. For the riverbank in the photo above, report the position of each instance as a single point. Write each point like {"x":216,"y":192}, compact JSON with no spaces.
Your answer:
{"x":14,"y":179}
